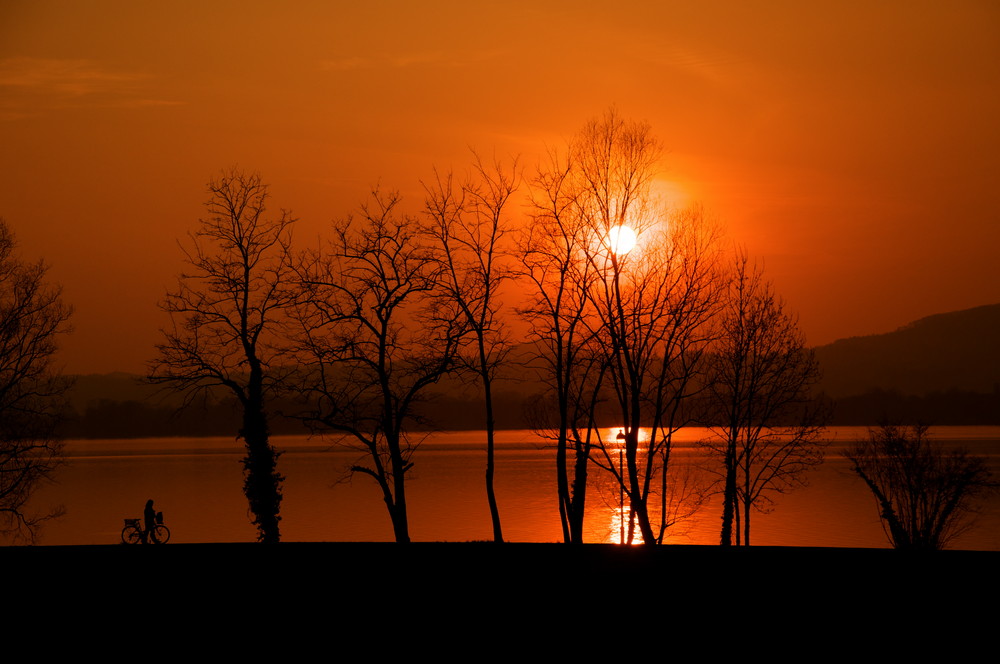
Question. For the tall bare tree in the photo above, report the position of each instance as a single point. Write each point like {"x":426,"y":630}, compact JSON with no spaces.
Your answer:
{"x":767,"y":425}
{"x":32,"y":316}
{"x":652,"y":301}
{"x":654,"y":304}
{"x":470,"y":223}
{"x":227,"y":314}
{"x":374,"y":337}
{"x":639,"y":311}
{"x":553,"y":256}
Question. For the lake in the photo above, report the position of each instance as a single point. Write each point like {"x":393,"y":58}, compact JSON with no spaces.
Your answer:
{"x":197,"y":483}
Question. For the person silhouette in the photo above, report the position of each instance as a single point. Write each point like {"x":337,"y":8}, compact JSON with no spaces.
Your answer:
{"x":149,"y":519}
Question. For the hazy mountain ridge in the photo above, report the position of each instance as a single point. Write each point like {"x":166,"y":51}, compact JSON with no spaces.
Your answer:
{"x":955,"y":351}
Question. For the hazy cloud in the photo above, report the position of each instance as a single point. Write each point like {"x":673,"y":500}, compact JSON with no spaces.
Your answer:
{"x":33,"y":83}
{"x":401,"y":61}
{"x":71,"y":77}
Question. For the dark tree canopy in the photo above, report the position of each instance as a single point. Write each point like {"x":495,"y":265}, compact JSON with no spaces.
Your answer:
{"x":32,"y":316}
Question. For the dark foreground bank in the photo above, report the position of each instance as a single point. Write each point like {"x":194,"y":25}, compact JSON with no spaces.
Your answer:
{"x":436,"y":590}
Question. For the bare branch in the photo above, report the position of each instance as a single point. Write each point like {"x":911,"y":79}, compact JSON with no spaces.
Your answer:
{"x":767,"y":427}
{"x":32,"y":316}
{"x":374,"y":333}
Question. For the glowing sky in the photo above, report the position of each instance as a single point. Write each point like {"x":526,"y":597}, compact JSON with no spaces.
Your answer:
{"x":851,"y":145}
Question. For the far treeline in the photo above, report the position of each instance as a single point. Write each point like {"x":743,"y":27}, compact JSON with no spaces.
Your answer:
{"x":149,"y":417}
{"x":571,"y":300}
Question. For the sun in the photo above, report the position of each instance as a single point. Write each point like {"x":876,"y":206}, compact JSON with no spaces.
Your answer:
{"x":621,"y":240}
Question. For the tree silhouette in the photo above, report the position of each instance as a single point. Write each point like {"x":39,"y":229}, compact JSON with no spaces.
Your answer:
{"x":32,"y":315}
{"x":469,"y":224}
{"x":926,"y":496}
{"x":226,"y":316}
{"x":373,"y":336}
{"x":652,"y":302}
{"x":639,"y":313}
{"x":760,"y":379}
{"x":553,"y":260}
{"x":654,"y":305}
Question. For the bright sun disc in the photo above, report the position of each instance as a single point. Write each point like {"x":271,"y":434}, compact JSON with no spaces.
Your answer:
{"x":621,"y":239}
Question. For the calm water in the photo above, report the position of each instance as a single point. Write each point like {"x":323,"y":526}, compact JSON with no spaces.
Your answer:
{"x":197,"y":483}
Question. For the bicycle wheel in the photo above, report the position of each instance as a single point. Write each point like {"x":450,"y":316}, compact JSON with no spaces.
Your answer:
{"x":131,"y":535}
{"x":160,"y":534}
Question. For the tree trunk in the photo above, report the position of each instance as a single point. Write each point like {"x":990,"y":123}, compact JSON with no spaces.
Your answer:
{"x":579,"y":492}
{"x":562,"y":487}
{"x":490,"y":465}
{"x":746,"y":523}
{"x":262,"y":483}
{"x":400,"y":524}
{"x":637,"y":499}
{"x":729,"y":495}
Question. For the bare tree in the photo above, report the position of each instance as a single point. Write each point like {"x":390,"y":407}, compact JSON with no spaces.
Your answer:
{"x":652,"y":301}
{"x":553,"y":257}
{"x":227,"y":314}
{"x":469,"y":223}
{"x":639,"y":311}
{"x":373,"y":337}
{"x":32,"y":315}
{"x":926,"y":495}
{"x":767,"y":425}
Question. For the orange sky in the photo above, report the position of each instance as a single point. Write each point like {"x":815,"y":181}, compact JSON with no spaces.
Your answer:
{"x":852,"y":145}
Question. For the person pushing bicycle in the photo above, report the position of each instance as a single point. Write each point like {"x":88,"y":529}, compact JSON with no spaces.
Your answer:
{"x":149,"y":520}
{"x":148,"y":529}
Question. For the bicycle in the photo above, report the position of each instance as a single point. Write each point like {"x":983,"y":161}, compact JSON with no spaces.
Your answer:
{"x":132,"y":533}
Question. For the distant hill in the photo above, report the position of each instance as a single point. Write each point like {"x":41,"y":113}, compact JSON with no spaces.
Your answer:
{"x":956,"y":351}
